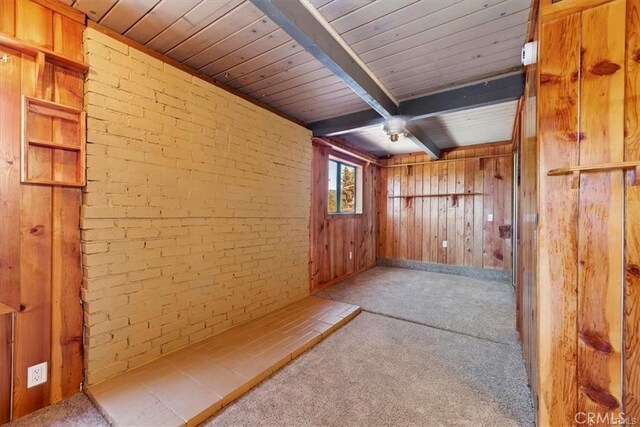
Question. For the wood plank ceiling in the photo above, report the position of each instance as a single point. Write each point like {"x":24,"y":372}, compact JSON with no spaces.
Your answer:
{"x":415,"y":47}
{"x":233,"y":42}
{"x":481,"y":125}
{"x":412,"y":46}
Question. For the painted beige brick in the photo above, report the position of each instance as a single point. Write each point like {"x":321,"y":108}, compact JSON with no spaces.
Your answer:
{"x":195,"y":214}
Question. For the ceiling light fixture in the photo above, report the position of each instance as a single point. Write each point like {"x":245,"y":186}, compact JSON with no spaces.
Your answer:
{"x":394,"y":127}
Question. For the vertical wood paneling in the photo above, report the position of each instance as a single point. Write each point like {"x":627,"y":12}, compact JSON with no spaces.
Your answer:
{"x":341,"y":245}
{"x":10,"y":93}
{"x":44,"y":220}
{"x":526,"y":277}
{"x":558,"y":215}
{"x":7,"y":17}
{"x":469,"y":236}
{"x":428,"y":221}
{"x":442,"y":212}
{"x":10,"y":201}
{"x":35,"y":265}
{"x":67,"y":317}
{"x":450,"y":213}
{"x":425,"y":238}
{"x":488,"y":205}
{"x":600,"y":219}
{"x":5,"y":364}
{"x":435,"y":241}
{"x":632,"y":224}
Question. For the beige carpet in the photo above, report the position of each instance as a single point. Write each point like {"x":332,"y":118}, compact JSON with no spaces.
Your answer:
{"x":378,"y":371}
{"x":76,"y":411}
{"x":460,"y":304}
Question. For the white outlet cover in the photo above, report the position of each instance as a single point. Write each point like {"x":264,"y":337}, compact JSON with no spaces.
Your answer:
{"x":36,"y":374}
{"x":490,"y":217}
{"x":445,"y":243}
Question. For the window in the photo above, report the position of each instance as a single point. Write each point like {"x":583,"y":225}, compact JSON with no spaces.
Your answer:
{"x":344,"y":188}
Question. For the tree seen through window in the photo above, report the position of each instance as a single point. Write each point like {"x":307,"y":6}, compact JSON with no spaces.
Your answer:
{"x":342,"y":188}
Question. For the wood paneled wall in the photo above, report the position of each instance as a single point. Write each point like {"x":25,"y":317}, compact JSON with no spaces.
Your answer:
{"x":632,"y":217}
{"x":588,"y":233}
{"x":458,"y":195}
{"x":527,"y":241}
{"x":40,"y":241}
{"x":341,"y":244}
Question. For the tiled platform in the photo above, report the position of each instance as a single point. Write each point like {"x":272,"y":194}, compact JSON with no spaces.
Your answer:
{"x":188,"y":386}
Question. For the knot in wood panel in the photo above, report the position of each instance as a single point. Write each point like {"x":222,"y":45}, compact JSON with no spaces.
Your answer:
{"x":549,"y":78}
{"x":633,"y":270}
{"x":599,"y":396}
{"x":596,"y":341}
{"x":604,"y":68}
{"x":36,"y":230}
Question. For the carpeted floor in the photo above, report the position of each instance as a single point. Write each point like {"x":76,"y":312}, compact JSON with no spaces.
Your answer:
{"x":432,"y":350}
{"x":77,"y":411}
{"x":456,"y":303}
{"x":382,"y":371}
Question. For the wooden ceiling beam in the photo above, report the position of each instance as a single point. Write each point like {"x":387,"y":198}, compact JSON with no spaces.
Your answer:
{"x":480,"y":94}
{"x":422,"y":140}
{"x":317,"y":39}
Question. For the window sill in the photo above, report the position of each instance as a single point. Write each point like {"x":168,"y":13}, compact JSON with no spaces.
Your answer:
{"x":344,"y":215}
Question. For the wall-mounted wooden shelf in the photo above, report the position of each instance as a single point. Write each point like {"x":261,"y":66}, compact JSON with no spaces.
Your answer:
{"x":454,"y":197}
{"x":49,"y":55}
{"x":436,"y":162}
{"x":434,"y":195}
{"x":59,"y":163}
{"x":602,"y":167}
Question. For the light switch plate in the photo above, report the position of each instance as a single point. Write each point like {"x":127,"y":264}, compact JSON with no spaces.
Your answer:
{"x":36,"y":374}
{"x":445,"y":243}
{"x":490,"y":217}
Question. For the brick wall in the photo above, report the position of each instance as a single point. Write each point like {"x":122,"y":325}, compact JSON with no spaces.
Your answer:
{"x":196,"y":210}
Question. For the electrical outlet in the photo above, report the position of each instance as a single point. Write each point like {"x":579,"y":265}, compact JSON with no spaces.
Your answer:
{"x":36,"y":374}
{"x":445,"y":243}
{"x":490,"y":217}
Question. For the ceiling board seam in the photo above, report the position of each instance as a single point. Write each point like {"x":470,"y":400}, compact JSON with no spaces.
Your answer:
{"x":141,"y":17}
{"x":104,"y":15}
{"x":231,"y":35}
{"x":505,"y":46}
{"x":312,"y":89}
{"x":248,"y":44}
{"x":403,"y":40}
{"x":298,"y":85}
{"x":301,"y":49}
{"x":168,"y":25}
{"x":203,"y":29}
{"x":327,"y":26}
{"x":172,"y":24}
{"x":286,"y":73}
{"x":464,"y":41}
{"x":347,"y":33}
{"x":368,"y":23}
{"x":405,"y":24}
